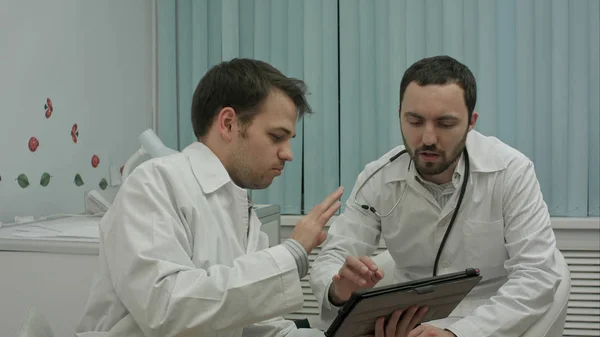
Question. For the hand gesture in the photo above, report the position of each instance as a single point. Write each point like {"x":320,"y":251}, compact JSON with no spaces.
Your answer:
{"x":309,"y":230}
{"x":356,"y":273}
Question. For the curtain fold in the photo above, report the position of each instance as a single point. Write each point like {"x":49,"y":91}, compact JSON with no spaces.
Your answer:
{"x":321,"y":136}
{"x":536,"y":64}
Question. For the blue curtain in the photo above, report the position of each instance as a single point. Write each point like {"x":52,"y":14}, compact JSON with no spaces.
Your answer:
{"x":537,"y":67}
{"x":194,"y":35}
{"x":536,"y":63}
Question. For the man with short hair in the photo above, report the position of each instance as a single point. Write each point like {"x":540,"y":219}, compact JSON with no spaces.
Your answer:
{"x":449,"y":199}
{"x":181,"y":251}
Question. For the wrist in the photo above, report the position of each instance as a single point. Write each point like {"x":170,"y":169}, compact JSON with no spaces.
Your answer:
{"x":334,"y":299}
{"x":450,"y":333}
{"x":300,"y":256}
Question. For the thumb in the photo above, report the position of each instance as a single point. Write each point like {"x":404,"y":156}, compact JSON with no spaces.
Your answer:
{"x":377,"y":276}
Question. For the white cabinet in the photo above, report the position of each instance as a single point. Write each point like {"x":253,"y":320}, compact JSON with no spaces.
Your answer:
{"x":56,"y":274}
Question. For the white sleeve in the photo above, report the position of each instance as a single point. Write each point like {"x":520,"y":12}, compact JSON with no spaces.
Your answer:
{"x":352,"y":233}
{"x":532,"y":273}
{"x":278,"y":327}
{"x":148,"y":249}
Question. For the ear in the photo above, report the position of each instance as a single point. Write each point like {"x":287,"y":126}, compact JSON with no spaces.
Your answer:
{"x":473,"y":120}
{"x":227,"y":123}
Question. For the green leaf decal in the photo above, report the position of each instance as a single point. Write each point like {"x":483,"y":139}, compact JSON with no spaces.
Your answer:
{"x":45,"y":180}
{"x":23,"y":180}
{"x":78,"y":181}
{"x":103,"y":184}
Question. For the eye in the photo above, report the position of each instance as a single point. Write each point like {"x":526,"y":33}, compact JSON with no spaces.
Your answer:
{"x":276,"y":138}
{"x":415,"y":121}
{"x":447,"y":124}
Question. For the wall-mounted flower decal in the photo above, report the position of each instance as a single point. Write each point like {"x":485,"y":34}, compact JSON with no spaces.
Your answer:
{"x":48,"y":108}
{"x":95,"y":161}
{"x":22,"y":180}
{"x":45,"y":179}
{"x":74,"y":133}
{"x":33,"y":144}
{"x":78,"y":180}
{"x":103,"y":184}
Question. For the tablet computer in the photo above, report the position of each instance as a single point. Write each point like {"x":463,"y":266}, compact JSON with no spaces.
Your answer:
{"x":441,"y":294}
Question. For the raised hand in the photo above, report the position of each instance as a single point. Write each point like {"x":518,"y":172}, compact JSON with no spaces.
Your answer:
{"x":309,"y":230}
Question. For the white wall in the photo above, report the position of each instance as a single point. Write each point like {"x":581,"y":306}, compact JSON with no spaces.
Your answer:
{"x":94,"y":60}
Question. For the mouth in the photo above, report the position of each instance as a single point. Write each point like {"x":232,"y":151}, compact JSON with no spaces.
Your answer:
{"x":278,"y":169}
{"x":429,"y":156}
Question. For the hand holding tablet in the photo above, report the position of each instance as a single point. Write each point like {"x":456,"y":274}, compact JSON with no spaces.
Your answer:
{"x":440,"y":295}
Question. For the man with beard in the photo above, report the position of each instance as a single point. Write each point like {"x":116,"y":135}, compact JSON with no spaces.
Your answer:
{"x":453,"y":199}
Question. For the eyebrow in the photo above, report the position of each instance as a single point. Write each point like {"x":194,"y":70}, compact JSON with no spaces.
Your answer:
{"x":441,"y":118}
{"x":413,"y":114}
{"x":287,"y":132}
{"x":447,"y":118}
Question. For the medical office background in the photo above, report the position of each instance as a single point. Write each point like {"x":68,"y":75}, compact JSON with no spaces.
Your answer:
{"x":536,"y":63}
{"x":80,"y":80}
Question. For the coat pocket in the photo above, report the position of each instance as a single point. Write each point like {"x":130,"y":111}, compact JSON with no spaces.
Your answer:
{"x":484,"y":247}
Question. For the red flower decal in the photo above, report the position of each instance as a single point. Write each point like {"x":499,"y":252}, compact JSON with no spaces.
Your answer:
{"x":95,"y":161}
{"x":33,"y":144}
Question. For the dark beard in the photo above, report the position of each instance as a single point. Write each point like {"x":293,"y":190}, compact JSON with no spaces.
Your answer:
{"x":431,"y":171}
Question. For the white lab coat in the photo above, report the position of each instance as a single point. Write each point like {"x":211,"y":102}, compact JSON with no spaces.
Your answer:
{"x":177,"y":258}
{"x":503,"y":228}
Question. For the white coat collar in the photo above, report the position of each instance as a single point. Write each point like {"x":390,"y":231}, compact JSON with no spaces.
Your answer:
{"x":207,"y":167}
{"x":484,"y":156}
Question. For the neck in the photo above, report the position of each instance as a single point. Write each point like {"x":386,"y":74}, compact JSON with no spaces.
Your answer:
{"x":222,"y":152}
{"x":217,"y":150}
{"x":442,"y":178}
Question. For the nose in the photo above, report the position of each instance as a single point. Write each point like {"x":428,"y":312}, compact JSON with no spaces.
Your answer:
{"x":285,"y":153}
{"x":429,"y":136}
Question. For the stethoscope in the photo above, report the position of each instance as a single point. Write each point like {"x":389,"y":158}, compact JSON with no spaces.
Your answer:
{"x":454,"y":214}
